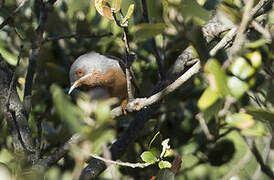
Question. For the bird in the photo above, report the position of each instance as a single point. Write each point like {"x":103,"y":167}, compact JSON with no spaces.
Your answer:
{"x":92,"y":70}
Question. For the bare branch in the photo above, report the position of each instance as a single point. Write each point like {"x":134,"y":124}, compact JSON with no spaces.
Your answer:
{"x":204,"y":127}
{"x":77,"y":36}
{"x":35,"y":52}
{"x":266,"y":34}
{"x":140,"y":103}
{"x":59,"y":153}
{"x":127,"y":164}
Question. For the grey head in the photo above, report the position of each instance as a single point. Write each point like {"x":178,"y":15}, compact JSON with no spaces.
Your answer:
{"x":86,"y":64}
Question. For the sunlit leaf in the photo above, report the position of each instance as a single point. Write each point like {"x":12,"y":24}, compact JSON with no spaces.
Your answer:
{"x":241,"y":68}
{"x":218,"y":82}
{"x":103,"y":9}
{"x":237,"y":87}
{"x":7,"y":56}
{"x":255,"y":58}
{"x":129,"y":13}
{"x":255,"y":44}
{"x":153,"y":139}
{"x":146,"y":31}
{"x":240,"y":120}
{"x":208,"y":98}
{"x":116,"y":4}
{"x":164,"y":164}
{"x":148,"y":157}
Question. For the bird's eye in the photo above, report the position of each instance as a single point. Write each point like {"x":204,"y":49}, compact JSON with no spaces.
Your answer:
{"x":80,"y":72}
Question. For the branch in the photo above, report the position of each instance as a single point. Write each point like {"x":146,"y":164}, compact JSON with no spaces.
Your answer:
{"x":127,"y":164}
{"x":140,"y":103}
{"x":76,"y":36}
{"x":128,"y":53}
{"x":45,"y":7}
{"x":59,"y":153}
{"x":14,"y":114}
{"x":9,"y":18}
{"x":204,"y":127}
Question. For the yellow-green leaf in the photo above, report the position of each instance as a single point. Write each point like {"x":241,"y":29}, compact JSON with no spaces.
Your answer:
{"x":116,"y":4}
{"x":208,"y":98}
{"x":219,"y":80}
{"x":240,"y":120}
{"x":129,"y":13}
{"x":164,"y":164}
{"x":241,"y":68}
{"x":148,"y":157}
{"x":237,"y":87}
{"x":255,"y":58}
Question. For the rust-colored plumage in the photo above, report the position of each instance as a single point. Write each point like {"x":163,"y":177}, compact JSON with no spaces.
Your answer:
{"x":95,"y":70}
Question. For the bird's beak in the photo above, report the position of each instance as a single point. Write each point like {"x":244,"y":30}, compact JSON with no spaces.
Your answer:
{"x":79,"y":82}
{"x":74,"y":85}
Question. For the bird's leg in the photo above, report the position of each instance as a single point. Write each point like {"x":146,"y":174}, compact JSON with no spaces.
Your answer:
{"x":124,"y":106}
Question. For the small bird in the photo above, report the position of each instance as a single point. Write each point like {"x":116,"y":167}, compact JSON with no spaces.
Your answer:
{"x":95,"y":70}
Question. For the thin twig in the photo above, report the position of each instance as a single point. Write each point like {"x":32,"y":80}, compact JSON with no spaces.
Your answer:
{"x":9,"y":18}
{"x":204,"y":127}
{"x":127,"y":47}
{"x":266,"y":34}
{"x":77,"y":36}
{"x":127,"y":164}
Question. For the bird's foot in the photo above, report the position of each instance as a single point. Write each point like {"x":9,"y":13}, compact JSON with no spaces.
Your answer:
{"x":124,"y":106}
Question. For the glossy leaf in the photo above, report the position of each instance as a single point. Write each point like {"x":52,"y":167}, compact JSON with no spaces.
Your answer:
{"x":103,"y":9}
{"x":146,"y":31}
{"x":148,"y":157}
{"x":218,"y":80}
{"x":241,"y":68}
{"x":237,"y":87}
{"x":240,"y":120}
{"x":208,"y":98}
{"x":255,"y":58}
{"x":7,"y":56}
{"x":164,"y":164}
{"x":116,"y":4}
{"x":129,"y":13}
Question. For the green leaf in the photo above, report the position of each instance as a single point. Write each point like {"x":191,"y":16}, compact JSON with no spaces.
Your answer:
{"x":146,"y":31}
{"x":8,"y":57}
{"x":218,"y":82}
{"x":164,"y":164}
{"x":241,"y":68}
{"x":191,"y":9}
{"x":148,"y":157}
{"x":237,"y":87}
{"x":208,"y":98}
{"x":255,"y":58}
{"x":103,"y":111}
{"x":68,"y":112}
{"x":19,"y":31}
{"x":116,"y":4}
{"x":240,"y":120}
{"x":255,"y":44}
{"x":129,"y":13}
{"x":261,"y":114}
{"x":153,"y":139}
